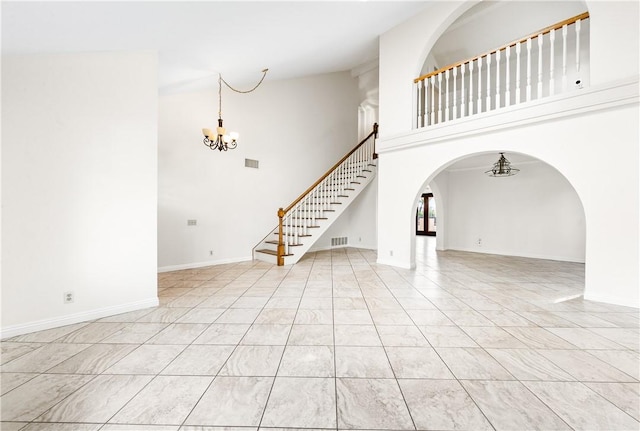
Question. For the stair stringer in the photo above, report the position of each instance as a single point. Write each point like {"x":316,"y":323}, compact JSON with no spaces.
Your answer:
{"x":323,"y":225}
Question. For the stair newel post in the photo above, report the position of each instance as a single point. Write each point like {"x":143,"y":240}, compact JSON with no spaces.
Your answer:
{"x":281,"y":251}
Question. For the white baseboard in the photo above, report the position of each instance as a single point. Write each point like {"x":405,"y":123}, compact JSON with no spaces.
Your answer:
{"x":396,"y":263}
{"x":193,"y":265}
{"x":41,"y":325}
{"x":613,"y":300}
{"x":527,"y":255}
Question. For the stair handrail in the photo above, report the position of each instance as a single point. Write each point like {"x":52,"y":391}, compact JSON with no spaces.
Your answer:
{"x":532,"y":36}
{"x":282,"y":212}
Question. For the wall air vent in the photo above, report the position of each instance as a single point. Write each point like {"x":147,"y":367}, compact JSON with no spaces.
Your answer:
{"x":248,"y":163}
{"x":336,"y":242}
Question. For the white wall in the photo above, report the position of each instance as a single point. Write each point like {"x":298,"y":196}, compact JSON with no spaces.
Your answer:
{"x":296,"y":129}
{"x":79,"y":181}
{"x":535,"y":213}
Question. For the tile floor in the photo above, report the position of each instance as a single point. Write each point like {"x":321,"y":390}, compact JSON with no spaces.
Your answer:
{"x":464,"y":342}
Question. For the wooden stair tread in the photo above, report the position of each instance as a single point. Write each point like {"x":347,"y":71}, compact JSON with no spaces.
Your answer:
{"x":271,"y":252}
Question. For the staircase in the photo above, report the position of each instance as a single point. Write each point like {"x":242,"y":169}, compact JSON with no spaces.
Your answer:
{"x":304,"y":221}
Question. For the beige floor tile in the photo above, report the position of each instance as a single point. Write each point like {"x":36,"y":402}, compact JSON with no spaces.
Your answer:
{"x":135,"y":333}
{"x":371,"y":404}
{"x":178,"y":333}
{"x":625,"y":396}
{"x":10,"y":381}
{"x":472,"y":363}
{"x":356,"y":335}
{"x":311,"y":335}
{"x":167,"y":400}
{"x":199,"y":360}
{"x":575,"y":404}
{"x":493,"y":337}
{"x":511,"y":406}
{"x":447,"y":336}
{"x":527,"y":364}
{"x":273,"y":335}
{"x":232,"y":401}
{"x":442,"y":405}
{"x":253,"y":361}
{"x":407,"y":336}
{"x":94,"y":360}
{"x":585,"y":367}
{"x":301,"y":402}
{"x":40,"y":360}
{"x":98,"y":400}
{"x":307,"y":361}
{"x":146,"y":359}
{"x":417,"y":363}
{"x":370,"y":362}
{"x":33,"y":398}
{"x":227,"y":333}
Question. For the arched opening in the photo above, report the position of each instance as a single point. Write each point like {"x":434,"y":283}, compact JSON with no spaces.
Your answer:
{"x":533,"y":218}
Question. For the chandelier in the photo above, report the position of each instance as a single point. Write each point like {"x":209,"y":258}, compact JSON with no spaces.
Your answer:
{"x":502,"y":168}
{"x":220,"y":139}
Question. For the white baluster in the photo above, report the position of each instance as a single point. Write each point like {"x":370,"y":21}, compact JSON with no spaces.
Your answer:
{"x":455,"y":92}
{"x":528,"y":69}
{"x":552,"y":81}
{"x":564,"y":58}
{"x":518,"y":48}
{"x":439,"y":97}
{"x":497,"y":79}
{"x":446,"y":112}
{"x":507,"y":77}
{"x":463,"y":108}
{"x":433,"y":99}
{"x":418,"y":93}
{"x":488,"y":98}
{"x":479,"y":85}
{"x":426,"y":91}
{"x":578,"y":26}
{"x":305,"y":214}
{"x":540,"y":41}
{"x":287,"y":222}
{"x":423,"y":101}
{"x":295,"y":226}
{"x":470,"y":88}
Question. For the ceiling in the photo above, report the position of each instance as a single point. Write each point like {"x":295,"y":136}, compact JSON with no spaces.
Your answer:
{"x":196,"y":40}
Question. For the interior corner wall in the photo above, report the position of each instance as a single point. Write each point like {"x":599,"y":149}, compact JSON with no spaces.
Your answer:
{"x":535,"y":213}
{"x":79,"y":187}
{"x":296,"y":129}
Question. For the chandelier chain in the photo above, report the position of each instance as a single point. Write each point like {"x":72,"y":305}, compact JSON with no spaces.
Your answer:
{"x":221,"y":80}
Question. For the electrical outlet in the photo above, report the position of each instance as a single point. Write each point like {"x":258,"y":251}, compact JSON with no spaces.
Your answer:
{"x":68,"y":297}
{"x":479,"y":242}
{"x":210,"y":252}
{"x":390,"y":252}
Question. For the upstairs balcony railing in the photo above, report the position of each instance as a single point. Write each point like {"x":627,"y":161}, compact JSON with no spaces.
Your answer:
{"x":536,"y":66}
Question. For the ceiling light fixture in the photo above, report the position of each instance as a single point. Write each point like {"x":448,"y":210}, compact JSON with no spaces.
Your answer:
{"x":502,"y":168}
{"x":220,"y":140}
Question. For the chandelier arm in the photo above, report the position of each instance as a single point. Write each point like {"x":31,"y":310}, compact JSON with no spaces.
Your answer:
{"x":264,"y":74}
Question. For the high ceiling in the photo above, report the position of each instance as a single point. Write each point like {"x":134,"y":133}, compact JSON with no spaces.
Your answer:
{"x":196,"y":40}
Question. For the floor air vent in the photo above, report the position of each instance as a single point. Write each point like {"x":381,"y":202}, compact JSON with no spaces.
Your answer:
{"x":343,"y":240}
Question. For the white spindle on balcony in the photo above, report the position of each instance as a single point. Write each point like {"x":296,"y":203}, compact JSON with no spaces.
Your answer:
{"x":540,"y":42}
{"x":552,"y":82}
{"x":488,"y":99}
{"x":462,"y":93}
